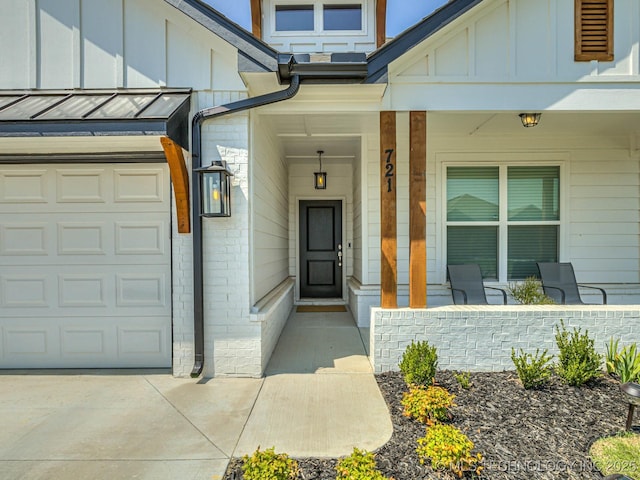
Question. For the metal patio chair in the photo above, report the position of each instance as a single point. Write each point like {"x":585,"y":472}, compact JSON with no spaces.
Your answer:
{"x":559,"y":283}
{"x":467,"y":287}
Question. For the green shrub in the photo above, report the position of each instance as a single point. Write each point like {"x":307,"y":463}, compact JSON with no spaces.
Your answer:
{"x":463,"y":379}
{"x":360,"y":465}
{"x":529,"y":292}
{"x":578,"y":361}
{"x":269,"y":465}
{"x":427,"y":405}
{"x":448,"y":448}
{"x":534,"y":371}
{"x":624,"y":363}
{"x":612,"y":357}
{"x":418,"y":364}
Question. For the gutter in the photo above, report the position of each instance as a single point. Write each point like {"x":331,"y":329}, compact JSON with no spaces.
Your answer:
{"x":293,"y":72}
{"x":196,"y":162}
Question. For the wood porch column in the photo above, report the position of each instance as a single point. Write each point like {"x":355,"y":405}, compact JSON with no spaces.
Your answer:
{"x":388,"y":228}
{"x":418,"y":210}
{"x":179,"y":180}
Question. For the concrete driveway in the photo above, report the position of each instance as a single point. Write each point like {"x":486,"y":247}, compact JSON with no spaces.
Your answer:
{"x":111,"y":425}
{"x":319,"y":398}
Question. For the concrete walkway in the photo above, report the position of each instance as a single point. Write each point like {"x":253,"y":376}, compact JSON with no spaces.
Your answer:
{"x":319,"y":398}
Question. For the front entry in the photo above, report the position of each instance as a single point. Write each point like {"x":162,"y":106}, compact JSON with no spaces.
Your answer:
{"x":321,"y":252}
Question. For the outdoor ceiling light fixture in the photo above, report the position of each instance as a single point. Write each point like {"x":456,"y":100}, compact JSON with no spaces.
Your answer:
{"x":632,"y":392}
{"x":530,"y":119}
{"x":216,"y":189}
{"x":320,"y":177}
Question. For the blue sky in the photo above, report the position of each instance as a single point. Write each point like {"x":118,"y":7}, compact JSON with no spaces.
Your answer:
{"x":401,"y":14}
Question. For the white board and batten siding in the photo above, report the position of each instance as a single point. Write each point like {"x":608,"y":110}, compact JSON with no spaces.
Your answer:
{"x":270,"y":213}
{"x":53,"y":44}
{"x":85,"y":266}
{"x":518,"y":55}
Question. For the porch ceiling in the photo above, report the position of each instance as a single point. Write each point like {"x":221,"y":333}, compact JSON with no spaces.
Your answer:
{"x":301,"y":135}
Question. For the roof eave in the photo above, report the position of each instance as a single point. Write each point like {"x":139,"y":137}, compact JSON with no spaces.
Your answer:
{"x":379,"y":60}
{"x":254,"y":54}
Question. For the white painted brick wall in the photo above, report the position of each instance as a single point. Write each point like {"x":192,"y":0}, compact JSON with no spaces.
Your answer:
{"x":232,"y":341}
{"x":182,"y":296}
{"x":480,"y":338}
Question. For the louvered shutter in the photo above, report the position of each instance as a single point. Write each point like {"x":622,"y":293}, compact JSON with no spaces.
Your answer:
{"x":594,"y":30}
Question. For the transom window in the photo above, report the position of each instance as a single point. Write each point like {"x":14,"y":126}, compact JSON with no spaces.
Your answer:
{"x":309,"y":17}
{"x":290,"y":18}
{"x":342,"y":17}
{"x":504,"y":218}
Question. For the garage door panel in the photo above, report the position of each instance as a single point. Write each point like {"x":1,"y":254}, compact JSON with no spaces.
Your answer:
{"x":23,"y":238}
{"x":25,"y":291}
{"x":139,"y":186}
{"x":82,"y":239}
{"x":141,"y":290}
{"x":77,"y":290}
{"x":81,"y":185}
{"x":140,"y":238}
{"x":84,"y":343}
{"x":75,"y":189}
{"x":82,"y":290}
{"x":85,"y":273}
{"x":23,"y":186}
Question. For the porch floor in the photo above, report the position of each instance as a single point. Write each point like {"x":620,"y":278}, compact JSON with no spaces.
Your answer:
{"x":319,"y":397}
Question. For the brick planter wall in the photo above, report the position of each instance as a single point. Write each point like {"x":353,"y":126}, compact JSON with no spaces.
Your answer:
{"x":479,"y":338}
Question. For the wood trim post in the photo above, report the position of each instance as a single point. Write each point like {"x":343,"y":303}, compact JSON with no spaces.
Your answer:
{"x":381,"y":22}
{"x":256,"y":18}
{"x":180,"y":182}
{"x":388,"y":227}
{"x":418,"y":210}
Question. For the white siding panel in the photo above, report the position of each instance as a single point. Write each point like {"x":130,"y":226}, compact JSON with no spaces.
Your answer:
{"x":16,"y":30}
{"x":188,"y":60}
{"x":59,"y":29}
{"x":532,"y":39}
{"x":144,"y":45}
{"x":492,"y":44}
{"x":102,"y":48}
{"x":270,"y":214}
{"x":452,"y":58}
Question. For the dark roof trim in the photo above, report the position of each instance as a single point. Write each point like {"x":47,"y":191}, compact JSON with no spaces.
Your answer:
{"x":255,"y":55}
{"x":379,"y":60}
{"x":321,"y":72}
{"x":58,"y":113}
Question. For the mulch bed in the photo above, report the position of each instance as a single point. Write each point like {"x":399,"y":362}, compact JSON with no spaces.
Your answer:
{"x":522,"y":434}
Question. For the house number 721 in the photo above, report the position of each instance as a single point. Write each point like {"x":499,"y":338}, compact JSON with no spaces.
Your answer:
{"x":389,"y":167}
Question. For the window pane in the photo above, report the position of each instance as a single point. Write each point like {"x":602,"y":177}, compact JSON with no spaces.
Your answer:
{"x":343,"y":17}
{"x":472,"y":194}
{"x":294,"y":18}
{"x":529,"y":244}
{"x":534,"y":193}
{"x":474,"y":245}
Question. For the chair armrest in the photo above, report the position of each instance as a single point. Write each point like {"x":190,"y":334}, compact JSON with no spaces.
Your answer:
{"x":504,"y":293}
{"x":563,"y":295}
{"x":464,"y":294}
{"x":604,"y":294}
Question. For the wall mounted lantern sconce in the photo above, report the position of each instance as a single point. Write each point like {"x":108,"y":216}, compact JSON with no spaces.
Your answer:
{"x":530,"y":119}
{"x":320,"y":177}
{"x":215,"y":182}
{"x":632,"y":394}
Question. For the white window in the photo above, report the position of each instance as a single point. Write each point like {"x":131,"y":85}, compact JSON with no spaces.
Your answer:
{"x":504,"y":218}
{"x":342,"y":17}
{"x":294,"y":18}
{"x":312,"y":17}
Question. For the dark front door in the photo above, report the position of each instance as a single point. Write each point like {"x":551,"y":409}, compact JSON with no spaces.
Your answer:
{"x":321,"y":249}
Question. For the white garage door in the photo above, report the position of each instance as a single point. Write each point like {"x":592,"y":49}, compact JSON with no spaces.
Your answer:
{"x":85,"y":273}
